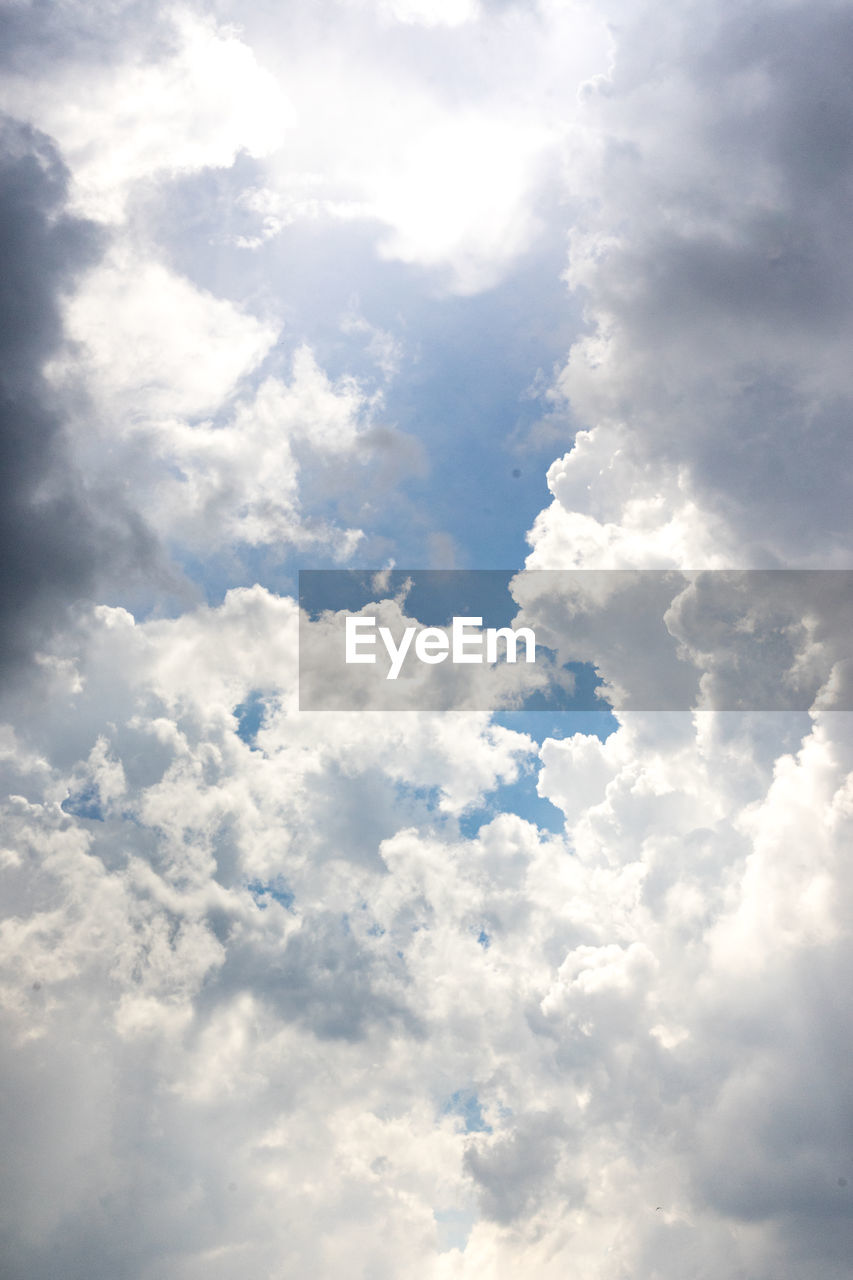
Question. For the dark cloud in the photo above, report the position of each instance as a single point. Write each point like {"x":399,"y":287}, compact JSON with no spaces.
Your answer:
{"x":725,"y":199}
{"x":54,"y":534}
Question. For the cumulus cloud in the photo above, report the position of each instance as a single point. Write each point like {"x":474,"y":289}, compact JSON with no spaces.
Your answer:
{"x":217,"y":454}
{"x":275,"y":1000}
{"x":205,"y":880}
{"x":152,"y":345}
{"x":156,"y":108}
{"x":711,"y":255}
{"x":298,"y":999}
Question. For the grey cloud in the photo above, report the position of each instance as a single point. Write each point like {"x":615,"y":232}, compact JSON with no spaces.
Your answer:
{"x":55,"y":535}
{"x":727,"y":177}
{"x":321,"y":977}
{"x":514,"y":1172}
{"x":787,"y":1097}
{"x":34,"y":34}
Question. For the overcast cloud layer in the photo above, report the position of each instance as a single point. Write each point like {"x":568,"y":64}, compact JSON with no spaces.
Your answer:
{"x":416,"y":995}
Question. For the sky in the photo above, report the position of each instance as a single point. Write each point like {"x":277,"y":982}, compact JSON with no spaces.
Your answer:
{"x":425,"y":284}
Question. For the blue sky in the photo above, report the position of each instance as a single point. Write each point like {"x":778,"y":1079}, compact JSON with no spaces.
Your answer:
{"x":470,"y":388}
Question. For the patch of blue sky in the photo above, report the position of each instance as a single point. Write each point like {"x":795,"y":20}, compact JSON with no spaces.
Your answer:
{"x":519,"y":797}
{"x":84,"y":804}
{"x":579,"y":698}
{"x":469,"y":400}
{"x":250,"y":717}
{"x":275,"y":891}
{"x":434,"y":596}
{"x":465,"y":1104}
{"x":421,"y":798}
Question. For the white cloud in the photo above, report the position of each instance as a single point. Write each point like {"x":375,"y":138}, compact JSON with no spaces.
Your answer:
{"x":151,"y":345}
{"x":620,"y":1051}
{"x":613,"y":509}
{"x":209,"y":451}
{"x":422,"y":13}
{"x":200,"y":101}
{"x":608,"y":998}
{"x":431,"y":13}
{"x":239,"y":482}
{"x":447,"y":147}
{"x":490,"y":169}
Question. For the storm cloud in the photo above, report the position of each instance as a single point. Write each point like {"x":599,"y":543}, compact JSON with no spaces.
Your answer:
{"x":55,"y":539}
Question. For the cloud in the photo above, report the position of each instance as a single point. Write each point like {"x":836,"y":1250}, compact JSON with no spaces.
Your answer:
{"x":218,"y":452}
{"x":295,"y":984}
{"x":713,"y":264}
{"x":152,"y":345}
{"x":451,"y":13}
{"x":53,"y":525}
{"x":250,"y":956}
{"x":435,"y":135}
{"x":448,"y":165}
{"x":157,"y":107}
{"x":157,"y":898}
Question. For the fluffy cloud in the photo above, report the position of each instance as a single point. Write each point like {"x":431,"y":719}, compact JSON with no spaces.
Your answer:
{"x":152,"y":346}
{"x":448,"y":165}
{"x":205,"y":881}
{"x":436,"y":133}
{"x":364,"y":1015}
{"x":273,"y":1003}
{"x":712,"y":258}
{"x":215,"y":453}
{"x":154,"y":110}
